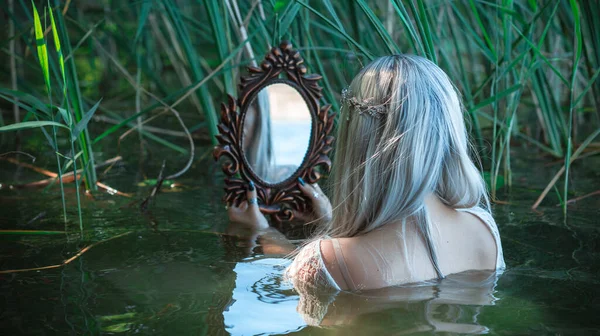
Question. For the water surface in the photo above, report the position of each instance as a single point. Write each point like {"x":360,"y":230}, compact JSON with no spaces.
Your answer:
{"x":171,"y":272}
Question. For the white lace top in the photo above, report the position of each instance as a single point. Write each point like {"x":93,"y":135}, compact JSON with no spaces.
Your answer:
{"x":308,"y":271}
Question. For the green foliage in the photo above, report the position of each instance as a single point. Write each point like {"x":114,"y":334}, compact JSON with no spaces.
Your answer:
{"x":41,"y":46}
{"x":61,"y":60}
{"x":528,"y":70}
{"x":30,"y":124}
{"x":83,"y":123}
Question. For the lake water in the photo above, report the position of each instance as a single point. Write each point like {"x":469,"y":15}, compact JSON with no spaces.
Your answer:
{"x":170,"y":271}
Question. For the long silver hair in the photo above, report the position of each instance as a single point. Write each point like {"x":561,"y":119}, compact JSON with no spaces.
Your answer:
{"x":259,"y":145}
{"x":385,"y":166}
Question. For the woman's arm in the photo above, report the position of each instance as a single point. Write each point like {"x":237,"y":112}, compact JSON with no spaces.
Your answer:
{"x":250,"y":225}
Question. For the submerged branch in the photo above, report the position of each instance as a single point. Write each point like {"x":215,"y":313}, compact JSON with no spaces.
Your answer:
{"x":159,"y":181}
{"x":66,"y":178}
{"x":577,"y":199}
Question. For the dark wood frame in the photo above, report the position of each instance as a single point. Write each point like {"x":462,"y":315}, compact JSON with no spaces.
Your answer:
{"x":278,"y":199}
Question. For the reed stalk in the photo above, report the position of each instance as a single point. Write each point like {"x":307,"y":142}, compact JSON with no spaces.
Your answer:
{"x":528,"y":70}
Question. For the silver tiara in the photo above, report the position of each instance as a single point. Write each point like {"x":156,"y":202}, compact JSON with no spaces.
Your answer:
{"x":364,"y":106}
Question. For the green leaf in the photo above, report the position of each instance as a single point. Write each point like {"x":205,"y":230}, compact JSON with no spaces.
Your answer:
{"x":423,"y":22}
{"x":379,"y":28}
{"x":124,"y":316}
{"x":495,"y":97}
{"x":487,"y":177}
{"x":481,"y":26}
{"x":146,"y":7}
{"x":587,"y":87}
{"x":152,"y":183}
{"x":288,"y":17}
{"x":30,"y":124}
{"x":118,"y":328}
{"x":577,"y":24}
{"x":27,"y":98}
{"x":41,"y":46}
{"x":65,"y":116}
{"x":82,"y":124}
{"x":219,"y":28}
{"x":408,"y":25}
{"x":61,"y":59}
{"x":340,"y":30}
{"x":280,"y":5}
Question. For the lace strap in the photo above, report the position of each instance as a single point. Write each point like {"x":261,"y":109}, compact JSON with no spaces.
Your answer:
{"x":339,"y":256}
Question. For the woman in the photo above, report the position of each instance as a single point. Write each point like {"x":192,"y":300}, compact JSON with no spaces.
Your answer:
{"x":409,"y":204}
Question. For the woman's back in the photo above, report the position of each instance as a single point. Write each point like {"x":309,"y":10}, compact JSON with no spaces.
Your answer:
{"x":397,"y":254}
{"x":401,"y":170}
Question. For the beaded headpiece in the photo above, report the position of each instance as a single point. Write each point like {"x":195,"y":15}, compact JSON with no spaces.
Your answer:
{"x":364,"y":106}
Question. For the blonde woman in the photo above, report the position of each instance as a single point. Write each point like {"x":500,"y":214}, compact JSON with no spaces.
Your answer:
{"x":409,"y":205}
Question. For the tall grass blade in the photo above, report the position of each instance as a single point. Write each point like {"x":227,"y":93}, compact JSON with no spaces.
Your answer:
{"x":75,"y":100}
{"x":576,"y":58}
{"x":381,"y":31}
{"x":61,"y":60}
{"x":146,"y":8}
{"x":30,"y":124}
{"x":82,"y":124}
{"x":41,"y":46}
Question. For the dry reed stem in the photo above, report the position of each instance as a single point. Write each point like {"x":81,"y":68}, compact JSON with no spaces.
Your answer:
{"x":139,"y":125}
{"x":112,"y":191}
{"x":30,"y":231}
{"x":32,"y":167}
{"x":146,"y":128}
{"x":597,"y":192}
{"x":64,"y":263}
{"x":553,"y":181}
{"x":66,"y":178}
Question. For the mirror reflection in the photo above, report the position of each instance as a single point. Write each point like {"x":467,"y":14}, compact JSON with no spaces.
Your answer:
{"x":277,"y":131}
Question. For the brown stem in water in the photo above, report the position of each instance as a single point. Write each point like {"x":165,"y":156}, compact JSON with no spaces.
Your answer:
{"x":159,"y":182}
{"x":66,"y":178}
{"x":81,"y":252}
{"x":556,"y":177}
{"x":597,"y":192}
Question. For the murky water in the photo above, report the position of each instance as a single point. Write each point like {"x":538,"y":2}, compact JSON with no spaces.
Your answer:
{"x":170,"y":272}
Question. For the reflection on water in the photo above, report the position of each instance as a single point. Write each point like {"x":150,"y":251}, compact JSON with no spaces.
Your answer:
{"x":259,"y":292}
{"x":449,"y":305}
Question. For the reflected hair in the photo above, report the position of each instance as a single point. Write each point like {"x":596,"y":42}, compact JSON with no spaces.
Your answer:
{"x":385,"y":167}
{"x":259,"y":150}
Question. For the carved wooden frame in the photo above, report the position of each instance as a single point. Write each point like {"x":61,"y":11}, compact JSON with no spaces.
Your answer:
{"x":280,"y":198}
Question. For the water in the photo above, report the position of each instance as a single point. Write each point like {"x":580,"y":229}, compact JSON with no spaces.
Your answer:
{"x":170,"y":272}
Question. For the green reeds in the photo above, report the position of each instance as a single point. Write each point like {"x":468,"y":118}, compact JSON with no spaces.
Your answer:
{"x":511,"y":59}
{"x":528,"y":70}
{"x":74,"y":97}
{"x":54,"y":114}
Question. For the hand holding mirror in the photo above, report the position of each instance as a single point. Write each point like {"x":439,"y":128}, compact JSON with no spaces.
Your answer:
{"x":275,"y":133}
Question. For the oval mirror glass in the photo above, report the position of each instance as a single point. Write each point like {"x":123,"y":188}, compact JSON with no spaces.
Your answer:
{"x":277,"y":129}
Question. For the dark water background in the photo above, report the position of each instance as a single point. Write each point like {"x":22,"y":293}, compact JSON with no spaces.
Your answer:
{"x":170,"y":272}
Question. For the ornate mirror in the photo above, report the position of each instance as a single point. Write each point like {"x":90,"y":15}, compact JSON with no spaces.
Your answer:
{"x":274,"y":133}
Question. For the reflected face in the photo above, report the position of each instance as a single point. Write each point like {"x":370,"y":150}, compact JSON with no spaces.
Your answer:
{"x":277,"y":130}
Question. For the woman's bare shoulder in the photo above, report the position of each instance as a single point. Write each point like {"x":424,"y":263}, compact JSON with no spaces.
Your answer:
{"x":480,"y":237}
{"x":331,"y":263}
